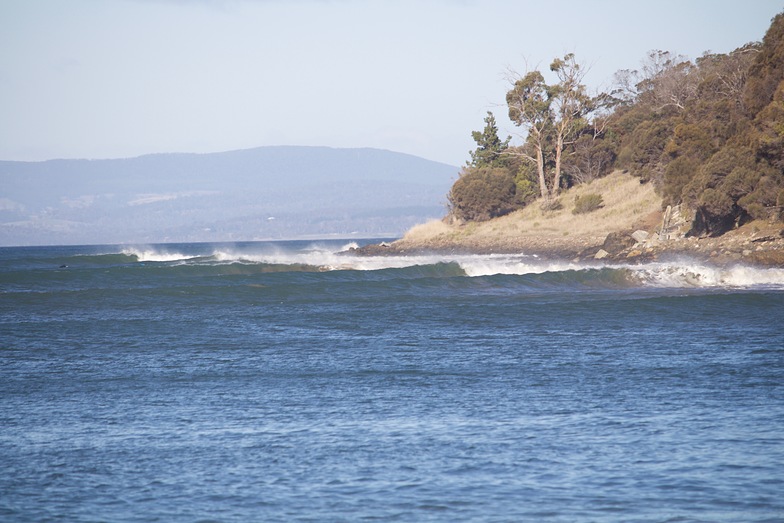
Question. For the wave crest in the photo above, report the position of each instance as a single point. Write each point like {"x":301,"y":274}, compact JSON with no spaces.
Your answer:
{"x":538,"y":272}
{"x":688,"y":274}
{"x":151,"y":254}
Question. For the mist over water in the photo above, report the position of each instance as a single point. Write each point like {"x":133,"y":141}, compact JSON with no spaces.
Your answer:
{"x":298,"y":382}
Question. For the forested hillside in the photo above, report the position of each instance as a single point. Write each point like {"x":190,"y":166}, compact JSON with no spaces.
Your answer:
{"x":708,"y":134}
{"x":261,"y":193}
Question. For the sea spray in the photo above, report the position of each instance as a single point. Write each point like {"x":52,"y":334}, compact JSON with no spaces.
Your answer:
{"x":152,"y":254}
{"x":692,"y":274}
{"x":492,"y":264}
{"x":334,"y":256}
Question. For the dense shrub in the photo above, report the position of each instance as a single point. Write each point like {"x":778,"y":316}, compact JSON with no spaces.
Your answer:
{"x":770,"y":126}
{"x":644,"y":149}
{"x":591,"y":158}
{"x":715,"y":213}
{"x":715,"y":188}
{"x":526,"y":184}
{"x":768,"y":69}
{"x":587,"y":203}
{"x":719,"y":150}
{"x":677,"y":175}
{"x":709,"y":135}
{"x":761,"y":202}
{"x":483,"y":193}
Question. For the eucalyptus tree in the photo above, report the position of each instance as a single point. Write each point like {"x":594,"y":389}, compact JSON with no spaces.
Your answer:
{"x":553,"y":115}
{"x":571,"y":104}
{"x":529,"y":103}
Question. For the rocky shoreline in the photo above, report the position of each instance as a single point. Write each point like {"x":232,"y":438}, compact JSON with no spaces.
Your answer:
{"x":757,"y":243}
{"x":735,"y":247}
{"x":630,"y":227}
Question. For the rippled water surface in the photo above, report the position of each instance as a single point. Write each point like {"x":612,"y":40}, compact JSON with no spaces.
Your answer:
{"x":284,"y":382}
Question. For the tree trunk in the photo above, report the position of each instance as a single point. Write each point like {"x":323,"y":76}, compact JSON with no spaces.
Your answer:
{"x":540,"y":170}
{"x":557,"y":175}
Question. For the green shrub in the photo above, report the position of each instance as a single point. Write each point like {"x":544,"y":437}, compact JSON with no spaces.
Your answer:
{"x":715,"y":202}
{"x":761,"y":203}
{"x":550,"y":205}
{"x":483,"y":193}
{"x":716,"y":213}
{"x":525,"y":190}
{"x":587,"y":203}
{"x":677,"y":175}
{"x":647,"y":143}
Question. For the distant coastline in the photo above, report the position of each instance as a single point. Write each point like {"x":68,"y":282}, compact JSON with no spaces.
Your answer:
{"x":274,"y":192}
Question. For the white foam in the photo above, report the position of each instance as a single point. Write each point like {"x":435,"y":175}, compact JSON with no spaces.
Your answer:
{"x":679,"y":274}
{"x":324,"y":258}
{"x":683,"y":273}
{"x":693,"y":274}
{"x":328,"y":259}
{"x":149,"y":254}
{"x":349,"y":246}
{"x":518,"y":264}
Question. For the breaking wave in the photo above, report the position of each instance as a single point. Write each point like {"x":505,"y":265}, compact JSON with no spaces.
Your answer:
{"x":151,"y":254}
{"x":262,"y":257}
{"x":691,"y":274}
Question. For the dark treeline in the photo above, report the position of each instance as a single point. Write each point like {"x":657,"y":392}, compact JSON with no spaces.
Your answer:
{"x":708,"y":134}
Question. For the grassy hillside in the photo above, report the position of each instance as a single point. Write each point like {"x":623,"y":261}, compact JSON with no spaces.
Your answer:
{"x":708,"y":135}
{"x":627,"y":204}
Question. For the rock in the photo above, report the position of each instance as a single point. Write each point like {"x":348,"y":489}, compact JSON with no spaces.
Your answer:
{"x":634,"y":254}
{"x":377,"y":249}
{"x":617,"y":242}
{"x":746,"y":252}
{"x":601,"y":254}
{"x":640,"y":236}
{"x":764,"y":239}
{"x":653,"y":243}
{"x":772,"y":258}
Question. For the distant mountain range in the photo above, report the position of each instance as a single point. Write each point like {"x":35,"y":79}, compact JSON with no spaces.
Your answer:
{"x":262,"y":193}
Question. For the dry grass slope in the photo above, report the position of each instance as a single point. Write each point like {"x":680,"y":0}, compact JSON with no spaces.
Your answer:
{"x":626,"y":203}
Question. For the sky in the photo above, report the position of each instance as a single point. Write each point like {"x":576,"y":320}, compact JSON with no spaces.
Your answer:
{"x":122,"y":78}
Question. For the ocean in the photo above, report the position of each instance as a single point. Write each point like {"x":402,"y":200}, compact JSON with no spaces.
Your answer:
{"x":291,"y":381}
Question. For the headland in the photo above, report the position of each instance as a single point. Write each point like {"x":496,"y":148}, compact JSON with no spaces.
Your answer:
{"x":630,"y":226}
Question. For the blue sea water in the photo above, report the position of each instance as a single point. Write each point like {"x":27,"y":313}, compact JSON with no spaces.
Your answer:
{"x":285,"y":382}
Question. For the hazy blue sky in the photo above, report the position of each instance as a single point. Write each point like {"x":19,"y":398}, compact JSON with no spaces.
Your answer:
{"x":119,"y":78}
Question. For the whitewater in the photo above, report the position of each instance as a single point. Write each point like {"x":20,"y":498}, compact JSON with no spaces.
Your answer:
{"x":680,"y":272}
{"x":298,"y":381}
